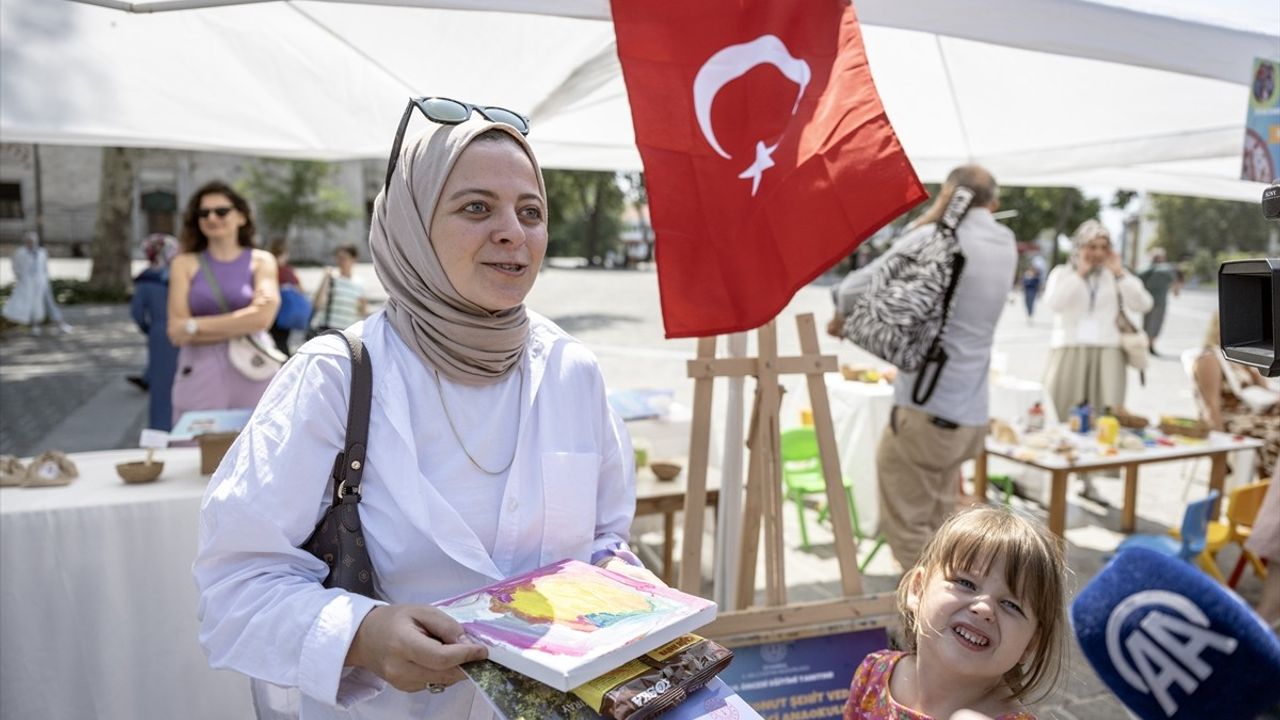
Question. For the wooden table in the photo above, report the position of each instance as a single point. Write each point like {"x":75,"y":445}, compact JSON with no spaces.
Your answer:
{"x":666,"y":497}
{"x":1216,"y":447}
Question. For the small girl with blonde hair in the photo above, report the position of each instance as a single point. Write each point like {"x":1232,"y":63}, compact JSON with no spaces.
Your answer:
{"x":983,"y":619}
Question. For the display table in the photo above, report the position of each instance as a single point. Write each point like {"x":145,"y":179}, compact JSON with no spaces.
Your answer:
{"x":97,"y":601}
{"x":1216,"y":447}
{"x":666,"y":498}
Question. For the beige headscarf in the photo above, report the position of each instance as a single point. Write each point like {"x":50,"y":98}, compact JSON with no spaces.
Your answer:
{"x":460,"y":339}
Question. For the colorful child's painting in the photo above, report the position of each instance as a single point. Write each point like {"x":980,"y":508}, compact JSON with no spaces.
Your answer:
{"x":569,"y":622}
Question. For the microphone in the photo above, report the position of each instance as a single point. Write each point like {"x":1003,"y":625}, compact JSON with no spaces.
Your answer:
{"x":1173,"y":644}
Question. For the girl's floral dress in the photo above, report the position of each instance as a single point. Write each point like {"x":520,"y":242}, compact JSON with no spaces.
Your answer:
{"x":869,"y":693}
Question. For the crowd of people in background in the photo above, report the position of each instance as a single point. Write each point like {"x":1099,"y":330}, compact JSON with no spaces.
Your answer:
{"x":195,"y":296}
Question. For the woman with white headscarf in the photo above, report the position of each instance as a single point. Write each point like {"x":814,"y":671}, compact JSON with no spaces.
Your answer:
{"x":492,"y":450}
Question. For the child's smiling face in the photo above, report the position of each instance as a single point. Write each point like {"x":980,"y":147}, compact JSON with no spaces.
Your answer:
{"x":971,"y":620}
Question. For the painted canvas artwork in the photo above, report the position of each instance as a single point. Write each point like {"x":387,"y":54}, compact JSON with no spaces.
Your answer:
{"x":569,"y":622}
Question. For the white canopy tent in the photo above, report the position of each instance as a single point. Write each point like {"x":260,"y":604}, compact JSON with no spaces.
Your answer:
{"x":1133,"y":93}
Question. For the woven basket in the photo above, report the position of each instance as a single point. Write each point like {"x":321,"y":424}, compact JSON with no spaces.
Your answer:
{"x":139,"y":471}
{"x":665,"y":470}
{"x":1133,"y":422}
{"x":1200,"y":430}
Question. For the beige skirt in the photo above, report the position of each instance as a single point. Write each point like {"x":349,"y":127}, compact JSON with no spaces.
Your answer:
{"x":1096,"y":375}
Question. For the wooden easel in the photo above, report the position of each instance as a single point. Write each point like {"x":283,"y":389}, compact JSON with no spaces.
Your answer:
{"x":763,"y":503}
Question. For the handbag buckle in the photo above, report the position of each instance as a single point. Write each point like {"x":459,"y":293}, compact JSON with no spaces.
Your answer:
{"x":343,"y":490}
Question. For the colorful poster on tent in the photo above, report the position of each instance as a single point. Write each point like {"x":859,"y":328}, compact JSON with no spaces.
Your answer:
{"x":806,"y":678}
{"x":1262,"y":129}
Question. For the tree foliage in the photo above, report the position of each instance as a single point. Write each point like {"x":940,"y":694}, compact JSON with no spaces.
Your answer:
{"x":1041,"y":208}
{"x":584,"y":210}
{"x":295,"y":194}
{"x":637,"y":194}
{"x":1188,"y":225}
{"x":1122,"y":198}
{"x":1038,"y":208}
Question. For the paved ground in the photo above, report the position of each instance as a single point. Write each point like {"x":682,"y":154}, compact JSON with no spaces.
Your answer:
{"x":68,"y":392}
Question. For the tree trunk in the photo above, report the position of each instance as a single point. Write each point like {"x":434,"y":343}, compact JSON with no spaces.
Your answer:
{"x":590,"y":197}
{"x":1064,"y":214}
{"x":593,"y":228}
{"x":112,"y":236}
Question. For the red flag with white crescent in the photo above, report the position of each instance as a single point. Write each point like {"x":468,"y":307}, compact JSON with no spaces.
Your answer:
{"x":767,"y":153}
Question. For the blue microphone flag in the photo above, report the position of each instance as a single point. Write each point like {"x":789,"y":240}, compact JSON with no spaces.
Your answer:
{"x":1173,"y":644}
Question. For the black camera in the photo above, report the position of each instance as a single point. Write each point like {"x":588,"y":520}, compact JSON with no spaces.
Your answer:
{"x":1248,"y":307}
{"x":1271,"y":202}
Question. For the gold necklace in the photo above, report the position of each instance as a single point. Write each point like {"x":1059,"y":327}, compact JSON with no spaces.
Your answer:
{"x":519,"y":398}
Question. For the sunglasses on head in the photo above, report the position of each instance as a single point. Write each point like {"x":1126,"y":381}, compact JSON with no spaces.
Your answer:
{"x":219,"y":211}
{"x":446,"y":111}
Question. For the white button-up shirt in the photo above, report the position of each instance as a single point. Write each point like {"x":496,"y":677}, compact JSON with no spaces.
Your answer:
{"x":570,"y":493}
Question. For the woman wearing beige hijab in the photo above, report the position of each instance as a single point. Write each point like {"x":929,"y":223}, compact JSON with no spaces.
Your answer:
{"x":492,"y":450}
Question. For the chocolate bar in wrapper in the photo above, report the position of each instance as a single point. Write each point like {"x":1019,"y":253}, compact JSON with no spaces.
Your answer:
{"x":657,"y":681}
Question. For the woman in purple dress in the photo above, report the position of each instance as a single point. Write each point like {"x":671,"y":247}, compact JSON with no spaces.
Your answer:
{"x":220,"y":288}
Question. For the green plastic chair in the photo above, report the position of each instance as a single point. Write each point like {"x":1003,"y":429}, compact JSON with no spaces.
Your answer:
{"x":1003,"y":483}
{"x":802,"y":476}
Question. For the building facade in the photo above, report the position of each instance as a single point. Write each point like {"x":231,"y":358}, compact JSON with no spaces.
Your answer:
{"x":58,"y":187}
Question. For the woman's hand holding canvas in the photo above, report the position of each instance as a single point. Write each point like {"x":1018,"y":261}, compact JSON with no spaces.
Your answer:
{"x":413,"y":647}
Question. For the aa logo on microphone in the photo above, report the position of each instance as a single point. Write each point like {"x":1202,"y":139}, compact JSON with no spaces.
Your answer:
{"x":1166,"y":645}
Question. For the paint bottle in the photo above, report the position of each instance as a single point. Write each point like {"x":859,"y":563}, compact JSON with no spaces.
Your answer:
{"x":1108,"y":428}
{"x":1080,"y":418}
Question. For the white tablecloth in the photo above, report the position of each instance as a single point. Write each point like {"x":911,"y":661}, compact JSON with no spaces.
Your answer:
{"x":1010,"y":398}
{"x":860,"y":414}
{"x":97,"y":602}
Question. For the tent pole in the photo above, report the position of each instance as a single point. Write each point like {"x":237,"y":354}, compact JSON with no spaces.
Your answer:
{"x":955,"y":101}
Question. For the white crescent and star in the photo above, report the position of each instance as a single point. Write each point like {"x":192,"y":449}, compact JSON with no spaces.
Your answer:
{"x":733,"y":62}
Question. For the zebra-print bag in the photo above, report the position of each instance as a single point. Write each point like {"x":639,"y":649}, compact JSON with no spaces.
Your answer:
{"x":904,"y":310}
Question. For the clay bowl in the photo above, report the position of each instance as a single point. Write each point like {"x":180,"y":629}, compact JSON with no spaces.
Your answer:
{"x":139,"y":471}
{"x":665,"y":471}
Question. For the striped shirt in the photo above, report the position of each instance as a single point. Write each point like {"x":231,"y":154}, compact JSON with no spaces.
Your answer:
{"x":343,"y":310}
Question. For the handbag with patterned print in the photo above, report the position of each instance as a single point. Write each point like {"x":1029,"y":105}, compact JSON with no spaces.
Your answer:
{"x":903,"y":313}
{"x":338,"y":539}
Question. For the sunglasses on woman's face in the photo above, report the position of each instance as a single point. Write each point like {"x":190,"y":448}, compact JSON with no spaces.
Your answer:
{"x":219,"y":211}
{"x":446,"y":111}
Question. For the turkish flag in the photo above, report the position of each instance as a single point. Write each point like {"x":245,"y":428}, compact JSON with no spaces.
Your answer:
{"x":767,"y":153}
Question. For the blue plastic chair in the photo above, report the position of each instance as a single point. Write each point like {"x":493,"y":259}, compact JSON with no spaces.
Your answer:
{"x":1195,"y":528}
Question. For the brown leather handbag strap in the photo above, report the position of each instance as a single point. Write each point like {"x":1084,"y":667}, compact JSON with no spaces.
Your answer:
{"x":348,"y":466}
